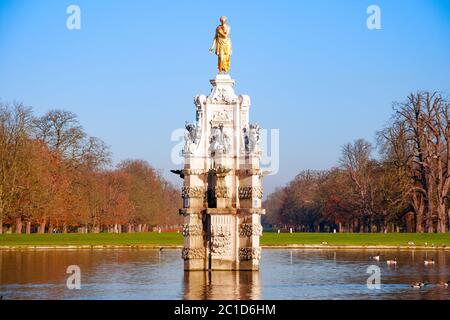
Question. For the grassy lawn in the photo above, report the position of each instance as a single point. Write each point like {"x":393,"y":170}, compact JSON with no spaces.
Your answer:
{"x":173,"y":238}
{"x":148,"y":238}
{"x":389,"y":239}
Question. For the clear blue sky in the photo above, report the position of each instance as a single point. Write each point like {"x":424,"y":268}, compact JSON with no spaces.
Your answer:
{"x":312,"y":68}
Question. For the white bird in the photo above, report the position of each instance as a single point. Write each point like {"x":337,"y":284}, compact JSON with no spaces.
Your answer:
{"x":417,"y":285}
{"x":376,"y":258}
{"x":392,"y":262}
{"x":429,"y":262}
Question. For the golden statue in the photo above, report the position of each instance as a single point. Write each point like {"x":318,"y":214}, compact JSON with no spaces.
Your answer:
{"x":223,"y":45}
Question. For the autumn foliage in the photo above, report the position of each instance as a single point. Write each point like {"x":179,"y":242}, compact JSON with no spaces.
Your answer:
{"x":55,"y":178}
{"x":404,"y":188}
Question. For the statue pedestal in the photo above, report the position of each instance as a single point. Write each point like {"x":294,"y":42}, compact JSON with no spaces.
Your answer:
{"x":222,"y":191}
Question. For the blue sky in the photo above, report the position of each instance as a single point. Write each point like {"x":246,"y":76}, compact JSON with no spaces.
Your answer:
{"x":312,"y":68}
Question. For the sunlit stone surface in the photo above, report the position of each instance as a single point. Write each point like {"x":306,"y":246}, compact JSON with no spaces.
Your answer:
{"x":222,"y":190}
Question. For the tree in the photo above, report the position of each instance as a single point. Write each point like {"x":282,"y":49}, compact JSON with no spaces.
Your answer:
{"x":405,"y":190}
{"x":336,"y":198}
{"x":14,"y":130}
{"x":356,"y":159}
{"x":273,"y":205}
{"x":399,"y":188}
{"x":61,"y":132}
{"x":53,"y":176}
{"x":147,"y":193}
{"x":421,"y":128}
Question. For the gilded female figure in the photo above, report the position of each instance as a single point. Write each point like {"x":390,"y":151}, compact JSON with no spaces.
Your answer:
{"x":222,"y":43}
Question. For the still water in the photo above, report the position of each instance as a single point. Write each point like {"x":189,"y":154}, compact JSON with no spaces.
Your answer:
{"x":284,"y":274}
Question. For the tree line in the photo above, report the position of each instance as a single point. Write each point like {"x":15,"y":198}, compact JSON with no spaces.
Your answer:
{"x":56,"y":178}
{"x":400,"y":184}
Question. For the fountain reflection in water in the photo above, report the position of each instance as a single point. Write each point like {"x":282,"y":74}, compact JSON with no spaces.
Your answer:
{"x":222,"y":285}
{"x":285,"y":274}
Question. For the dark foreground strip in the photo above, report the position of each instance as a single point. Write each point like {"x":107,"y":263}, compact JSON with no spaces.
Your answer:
{"x":260,"y":309}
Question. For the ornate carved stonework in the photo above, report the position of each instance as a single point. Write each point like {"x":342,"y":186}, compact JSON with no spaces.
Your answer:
{"x":200,"y":101}
{"x":192,"y":213}
{"x":222,"y":116}
{"x":223,"y":95}
{"x":219,"y":141}
{"x":193,"y":171}
{"x":251,"y":138}
{"x":193,"y":192}
{"x":250,"y":229}
{"x":221,"y":171}
{"x":257,"y":192}
{"x":249,"y":253}
{"x":220,"y":230}
{"x":192,"y":138}
{"x":222,"y":223}
{"x":249,"y":172}
{"x":249,"y":192}
{"x":222,"y":192}
{"x":220,"y":241}
{"x":192,"y":229}
{"x":245,"y":192}
{"x":193,"y":253}
{"x":258,"y":211}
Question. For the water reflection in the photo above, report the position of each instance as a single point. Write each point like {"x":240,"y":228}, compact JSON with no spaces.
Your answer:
{"x":222,"y":285}
{"x":341,"y":274}
{"x":284,"y":274}
{"x":105,"y":274}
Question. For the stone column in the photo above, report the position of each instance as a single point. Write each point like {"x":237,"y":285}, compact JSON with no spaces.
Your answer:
{"x":193,"y":194}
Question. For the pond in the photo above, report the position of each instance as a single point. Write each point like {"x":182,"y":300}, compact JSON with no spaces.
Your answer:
{"x":284,"y":274}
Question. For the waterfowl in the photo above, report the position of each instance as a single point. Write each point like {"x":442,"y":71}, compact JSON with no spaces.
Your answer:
{"x":428,"y":262}
{"x":392,"y":262}
{"x":444,"y":284}
{"x":417,"y":285}
{"x":376,"y":257}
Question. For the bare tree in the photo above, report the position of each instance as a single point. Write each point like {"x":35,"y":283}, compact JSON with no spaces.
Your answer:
{"x":397,"y":151}
{"x":418,"y":141}
{"x":95,"y":154}
{"x":356,"y":159}
{"x":61,"y":131}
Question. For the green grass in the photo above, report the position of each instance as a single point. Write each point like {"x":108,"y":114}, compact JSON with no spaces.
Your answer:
{"x":363,"y":239}
{"x":268,"y":239}
{"x":148,"y":238}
